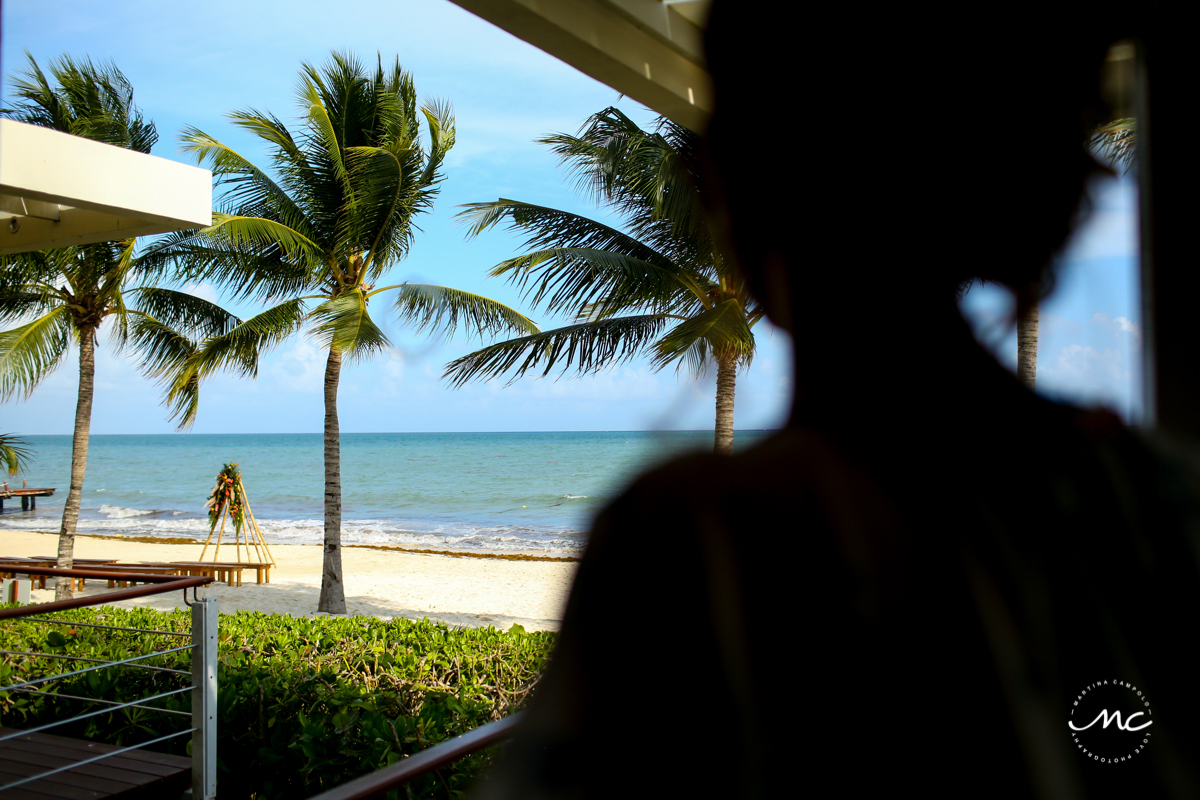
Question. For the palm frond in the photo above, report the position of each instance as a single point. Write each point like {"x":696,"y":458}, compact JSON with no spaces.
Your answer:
{"x":245,"y":186}
{"x":721,"y":329}
{"x":344,"y":324}
{"x":32,"y":351}
{"x":325,"y":131}
{"x":1117,"y":141}
{"x":569,"y":279}
{"x":595,"y":154}
{"x":260,"y":237}
{"x":394,"y":105}
{"x":663,"y":262}
{"x":114,"y":277}
{"x":439,"y":116}
{"x":588,"y":346}
{"x":240,"y":349}
{"x":549,"y":230}
{"x":257,"y":233}
{"x":90,"y":100}
{"x":265,"y":126}
{"x":650,"y":177}
{"x":21,"y":302}
{"x":387,"y":194}
{"x":187,"y":313}
{"x":440,"y":308}
{"x":193,"y":256}
{"x":546,"y":227}
{"x":164,"y":353}
{"x":27,"y":269}
{"x":15,"y":453}
{"x":27,"y":285}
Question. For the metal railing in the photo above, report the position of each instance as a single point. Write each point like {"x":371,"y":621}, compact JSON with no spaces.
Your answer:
{"x":429,"y":759}
{"x":203,"y":671}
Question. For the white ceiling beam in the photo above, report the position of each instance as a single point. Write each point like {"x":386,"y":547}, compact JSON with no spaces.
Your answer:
{"x":58,"y":190}
{"x":644,"y":49}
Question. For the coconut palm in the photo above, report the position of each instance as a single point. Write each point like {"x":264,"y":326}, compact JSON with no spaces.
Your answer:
{"x":1116,"y":142}
{"x":317,"y":241}
{"x":661,"y":286}
{"x":65,"y":295}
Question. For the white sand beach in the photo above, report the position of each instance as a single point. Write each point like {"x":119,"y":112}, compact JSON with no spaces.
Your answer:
{"x":462,"y":591}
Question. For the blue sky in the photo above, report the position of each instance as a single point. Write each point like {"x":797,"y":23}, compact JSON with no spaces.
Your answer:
{"x":190,"y":64}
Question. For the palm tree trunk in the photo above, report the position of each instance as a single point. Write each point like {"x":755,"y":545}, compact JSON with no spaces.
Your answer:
{"x":79,"y":449}
{"x":333,"y":594}
{"x":1027,"y":343}
{"x":726,"y":377}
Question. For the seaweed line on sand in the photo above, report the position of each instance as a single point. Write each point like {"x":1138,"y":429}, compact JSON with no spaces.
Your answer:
{"x":454,"y":553}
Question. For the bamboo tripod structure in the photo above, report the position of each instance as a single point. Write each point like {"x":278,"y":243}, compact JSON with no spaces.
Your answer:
{"x":254,"y":536}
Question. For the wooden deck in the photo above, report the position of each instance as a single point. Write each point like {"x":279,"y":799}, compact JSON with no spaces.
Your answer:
{"x":136,"y":775}
{"x":28,"y":496}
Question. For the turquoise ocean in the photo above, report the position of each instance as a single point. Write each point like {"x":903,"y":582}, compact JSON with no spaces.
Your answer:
{"x":496,"y":492}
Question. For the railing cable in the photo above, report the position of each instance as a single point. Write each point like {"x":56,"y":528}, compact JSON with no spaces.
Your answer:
{"x":93,"y":669}
{"x":115,"y":707}
{"x":77,"y":764}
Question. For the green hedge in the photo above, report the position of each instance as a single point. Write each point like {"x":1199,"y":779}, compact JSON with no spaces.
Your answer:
{"x":304,"y":704}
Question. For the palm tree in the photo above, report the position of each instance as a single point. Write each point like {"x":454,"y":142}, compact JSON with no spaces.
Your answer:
{"x":1116,"y":141}
{"x":663,"y":286}
{"x":70,"y":292}
{"x":317,"y":240}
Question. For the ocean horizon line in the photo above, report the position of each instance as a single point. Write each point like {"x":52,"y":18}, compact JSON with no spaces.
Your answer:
{"x":495,"y":491}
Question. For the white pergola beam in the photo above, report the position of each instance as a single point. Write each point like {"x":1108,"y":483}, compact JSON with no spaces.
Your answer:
{"x":58,"y":190}
{"x":642,"y":48}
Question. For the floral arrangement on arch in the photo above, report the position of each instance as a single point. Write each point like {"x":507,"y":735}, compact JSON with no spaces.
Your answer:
{"x":227,"y":492}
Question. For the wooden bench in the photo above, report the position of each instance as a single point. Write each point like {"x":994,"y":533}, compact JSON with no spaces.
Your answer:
{"x":10,"y":567}
{"x":126,"y":569}
{"x":136,"y":775}
{"x":230,"y":574}
{"x":262,"y":570}
{"x":77,"y":563}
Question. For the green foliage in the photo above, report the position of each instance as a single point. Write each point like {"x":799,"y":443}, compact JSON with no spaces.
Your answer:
{"x":303,"y":704}
{"x":227,"y":493}
{"x":14,"y":453}
{"x":89,"y":100}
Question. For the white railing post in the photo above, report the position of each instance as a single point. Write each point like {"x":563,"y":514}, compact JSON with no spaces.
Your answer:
{"x":204,"y":699}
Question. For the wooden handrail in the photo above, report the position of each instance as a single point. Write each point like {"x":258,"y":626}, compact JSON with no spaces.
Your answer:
{"x":160,"y":584}
{"x":429,"y":759}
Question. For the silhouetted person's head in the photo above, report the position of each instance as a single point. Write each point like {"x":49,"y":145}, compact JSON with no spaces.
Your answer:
{"x":871,"y":161}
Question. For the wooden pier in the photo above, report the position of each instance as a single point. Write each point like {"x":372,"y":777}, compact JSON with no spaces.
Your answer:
{"x":28,"y":497}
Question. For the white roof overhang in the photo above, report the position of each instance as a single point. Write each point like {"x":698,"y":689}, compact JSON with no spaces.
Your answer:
{"x":650,"y":50}
{"x":58,"y":190}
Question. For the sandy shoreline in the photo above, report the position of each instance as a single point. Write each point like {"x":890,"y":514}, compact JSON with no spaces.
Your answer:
{"x":474,"y":592}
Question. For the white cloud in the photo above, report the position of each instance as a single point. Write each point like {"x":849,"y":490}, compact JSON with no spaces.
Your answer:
{"x":299,"y":369}
{"x":1118,"y":326}
{"x":1084,"y":363}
